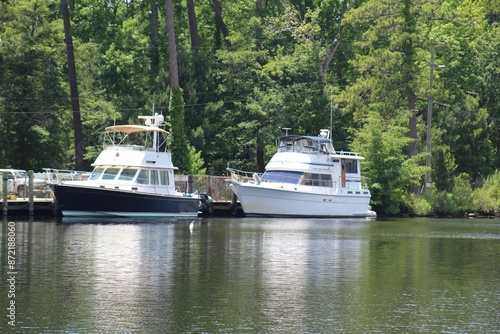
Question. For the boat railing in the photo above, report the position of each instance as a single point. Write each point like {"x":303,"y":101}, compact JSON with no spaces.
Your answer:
{"x":349,"y":183}
{"x":352,"y":154}
{"x":243,"y":176}
{"x":53,"y":175}
{"x":352,"y":182}
{"x":140,"y":141}
{"x":131,"y":147}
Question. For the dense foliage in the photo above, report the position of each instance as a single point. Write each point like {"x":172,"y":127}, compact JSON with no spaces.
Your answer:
{"x":248,"y":68}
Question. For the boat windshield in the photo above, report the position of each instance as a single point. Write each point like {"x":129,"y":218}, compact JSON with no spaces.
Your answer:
{"x":282,"y":176}
{"x":96,"y":173}
{"x":127,"y":174}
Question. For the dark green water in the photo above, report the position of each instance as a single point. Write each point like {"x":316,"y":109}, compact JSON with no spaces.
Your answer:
{"x":253,"y":276}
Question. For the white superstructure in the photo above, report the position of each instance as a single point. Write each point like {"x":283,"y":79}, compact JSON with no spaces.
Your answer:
{"x":305,"y":178}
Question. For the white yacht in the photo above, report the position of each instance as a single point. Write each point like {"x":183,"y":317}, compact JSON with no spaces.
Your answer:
{"x":129,"y":179}
{"x":306,"y":177}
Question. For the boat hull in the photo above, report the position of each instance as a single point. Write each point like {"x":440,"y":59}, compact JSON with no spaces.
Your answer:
{"x":85,"y":202}
{"x":264,"y":201}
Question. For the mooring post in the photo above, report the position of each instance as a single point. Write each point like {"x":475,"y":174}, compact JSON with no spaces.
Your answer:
{"x":31,"y":207}
{"x":234,"y":208}
{"x":190,"y":183}
{"x":5,"y":205}
{"x":55,"y":207}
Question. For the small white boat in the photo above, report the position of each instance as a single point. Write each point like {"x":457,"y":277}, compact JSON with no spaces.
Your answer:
{"x":306,"y":177}
{"x":130,"y":179}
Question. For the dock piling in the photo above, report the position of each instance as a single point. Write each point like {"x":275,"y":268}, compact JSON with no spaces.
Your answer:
{"x":31,"y":207}
{"x":4,"y":193}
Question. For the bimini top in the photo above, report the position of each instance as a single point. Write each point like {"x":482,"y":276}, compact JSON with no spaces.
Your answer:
{"x":303,"y":144}
{"x":293,"y":138}
{"x":134,"y":128}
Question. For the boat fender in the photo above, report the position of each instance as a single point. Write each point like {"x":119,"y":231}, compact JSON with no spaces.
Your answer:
{"x":256,"y":178}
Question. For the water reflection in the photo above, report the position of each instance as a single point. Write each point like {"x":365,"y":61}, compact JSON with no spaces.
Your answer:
{"x":257,"y":275}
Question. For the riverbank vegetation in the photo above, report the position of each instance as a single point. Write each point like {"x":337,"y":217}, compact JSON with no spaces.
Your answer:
{"x":382,"y":72}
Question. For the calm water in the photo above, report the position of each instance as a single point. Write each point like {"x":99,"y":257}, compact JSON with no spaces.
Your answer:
{"x":253,"y":276}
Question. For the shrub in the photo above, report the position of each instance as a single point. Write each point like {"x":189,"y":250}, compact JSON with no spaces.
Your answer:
{"x":487,"y":198}
{"x":420,"y":205}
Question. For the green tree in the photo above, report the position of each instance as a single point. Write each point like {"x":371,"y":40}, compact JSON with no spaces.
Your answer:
{"x":487,"y":65}
{"x":32,"y":85}
{"x":388,"y":170}
{"x":73,"y":84}
{"x":120,"y":30}
{"x":393,"y":66}
{"x":179,"y":145}
{"x":487,"y":198}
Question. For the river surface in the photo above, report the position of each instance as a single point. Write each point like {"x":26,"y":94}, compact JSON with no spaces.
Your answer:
{"x":248,"y":275}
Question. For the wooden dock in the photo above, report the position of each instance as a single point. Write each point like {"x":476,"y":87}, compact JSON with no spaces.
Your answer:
{"x":21,"y":206}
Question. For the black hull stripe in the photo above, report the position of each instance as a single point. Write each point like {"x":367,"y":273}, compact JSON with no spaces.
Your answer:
{"x":108,"y":200}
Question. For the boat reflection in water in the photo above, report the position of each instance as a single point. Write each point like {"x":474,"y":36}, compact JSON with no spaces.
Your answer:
{"x":256,"y":275}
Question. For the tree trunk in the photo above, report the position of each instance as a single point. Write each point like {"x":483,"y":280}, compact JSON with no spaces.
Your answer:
{"x":258,"y":34}
{"x":216,"y":5}
{"x":172,"y":49}
{"x":413,"y":124}
{"x":73,"y":85}
{"x":179,"y":147}
{"x":193,"y":27}
{"x":154,"y":56}
{"x":330,"y":53}
{"x":258,"y":4}
{"x":413,"y":131}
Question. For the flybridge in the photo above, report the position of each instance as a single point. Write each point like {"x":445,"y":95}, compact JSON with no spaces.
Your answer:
{"x":129,"y":136}
{"x":305,"y":144}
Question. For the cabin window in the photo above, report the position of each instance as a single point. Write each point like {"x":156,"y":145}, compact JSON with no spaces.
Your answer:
{"x":351,"y":166}
{"x":96,"y":173}
{"x":282,"y":176}
{"x":325,"y":180}
{"x":127,"y":174}
{"x":164,"y":180}
{"x":110,"y":173}
{"x":143,"y":177}
{"x":158,"y":177}
{"x":306,"y":179}
{"x":321,"y":180}
{"x":154,"y":177}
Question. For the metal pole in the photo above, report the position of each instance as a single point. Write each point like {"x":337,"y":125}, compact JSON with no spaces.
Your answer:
{"x":429,"y":124}
{"x":331,"y":116}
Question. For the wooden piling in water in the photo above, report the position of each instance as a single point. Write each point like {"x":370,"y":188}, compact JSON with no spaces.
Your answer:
{"x":4,"y":194}
{"x":31,"y":204}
